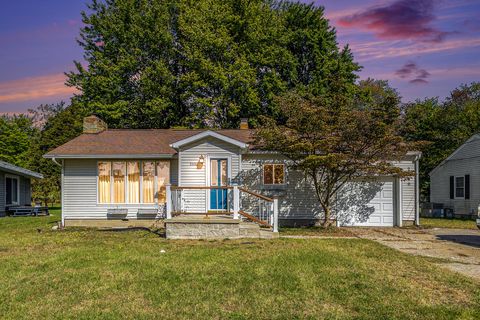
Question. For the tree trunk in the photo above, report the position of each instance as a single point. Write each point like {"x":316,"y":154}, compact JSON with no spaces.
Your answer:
{"x":327,"y":213}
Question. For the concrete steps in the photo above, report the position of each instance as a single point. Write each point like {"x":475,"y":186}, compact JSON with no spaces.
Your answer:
{"x":189,"y":227}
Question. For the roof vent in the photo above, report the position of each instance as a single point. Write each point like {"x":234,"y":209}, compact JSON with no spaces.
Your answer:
{"x":244,"y":124}
{"x":93,"y":124}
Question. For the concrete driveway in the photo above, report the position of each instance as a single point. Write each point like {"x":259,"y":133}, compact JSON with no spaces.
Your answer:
{"x":460,"y":248}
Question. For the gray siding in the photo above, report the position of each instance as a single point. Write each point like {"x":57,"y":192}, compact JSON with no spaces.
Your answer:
{"x":25,"y":195}
{"x":440,"y":183}
{"x":197,"y":200}
{"x":2,"y":193}
{"x":80,"y":192}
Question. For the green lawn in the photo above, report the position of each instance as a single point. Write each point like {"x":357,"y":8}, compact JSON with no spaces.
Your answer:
{"x":447,"y":223}
{"x":87,"y":274}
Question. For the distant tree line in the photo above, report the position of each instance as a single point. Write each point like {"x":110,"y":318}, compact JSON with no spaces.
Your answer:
{"x":205,"y":63}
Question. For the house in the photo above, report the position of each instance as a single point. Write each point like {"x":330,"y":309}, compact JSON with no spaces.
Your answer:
{"x":453,"y":183}
{"x":15,"y":186}
{"x":131,"y":176}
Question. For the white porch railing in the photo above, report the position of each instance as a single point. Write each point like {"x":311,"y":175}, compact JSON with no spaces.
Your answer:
{"x":240,"y":202}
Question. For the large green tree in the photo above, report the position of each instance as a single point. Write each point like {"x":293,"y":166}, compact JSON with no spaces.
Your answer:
{"x":443,"y":126}
{"x":58,"y":124}
{"x":153,"y":63}
{"x":16,"y":134}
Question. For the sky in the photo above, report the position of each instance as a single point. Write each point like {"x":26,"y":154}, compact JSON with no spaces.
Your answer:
{"x":424,"y":48}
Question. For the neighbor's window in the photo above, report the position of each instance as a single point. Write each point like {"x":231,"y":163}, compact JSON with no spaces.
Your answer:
{"x":459,"y":187}
{"x":148,"y":181}
{"x":163,"y":177}
{"x":273,"y":174}
{"x":133,"y":175}
{"x":118,"y":169}
{"x":104,"y":182}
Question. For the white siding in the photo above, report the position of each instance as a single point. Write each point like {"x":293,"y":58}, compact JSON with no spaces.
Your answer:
{"x":298,"y":199}
{"x":440,"y":184}
{"x":80,"y":192}
{"x":408,"y":192}
{"x":196,"y":200}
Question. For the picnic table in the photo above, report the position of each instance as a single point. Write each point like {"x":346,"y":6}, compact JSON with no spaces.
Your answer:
{"x":28,"y":211}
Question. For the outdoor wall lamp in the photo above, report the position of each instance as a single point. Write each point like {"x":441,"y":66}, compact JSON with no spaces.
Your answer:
{"x":200,"y":162}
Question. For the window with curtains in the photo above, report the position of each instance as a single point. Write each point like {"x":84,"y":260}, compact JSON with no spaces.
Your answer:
{"x":273,"y":174}
{"x":132,"y":181}
{"x":163,"y":177}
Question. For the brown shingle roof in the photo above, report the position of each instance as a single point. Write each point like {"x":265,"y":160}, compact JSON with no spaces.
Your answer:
{"x":134,"y":142}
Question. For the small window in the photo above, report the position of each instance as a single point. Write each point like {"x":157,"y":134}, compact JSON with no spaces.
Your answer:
{"x":273,"y":174}
{"x":459,"y":187}
{"x":12,"y":187}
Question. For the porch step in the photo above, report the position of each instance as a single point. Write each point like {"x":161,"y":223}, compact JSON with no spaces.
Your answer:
{"x":196,"y":228}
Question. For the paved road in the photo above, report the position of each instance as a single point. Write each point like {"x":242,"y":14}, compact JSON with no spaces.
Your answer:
{"x":460,"y":247}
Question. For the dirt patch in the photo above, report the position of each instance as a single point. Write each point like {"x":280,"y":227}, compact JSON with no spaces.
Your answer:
{"x":458,"y":248}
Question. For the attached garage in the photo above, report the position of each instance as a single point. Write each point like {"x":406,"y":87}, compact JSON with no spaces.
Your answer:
{"x":368,"y":204}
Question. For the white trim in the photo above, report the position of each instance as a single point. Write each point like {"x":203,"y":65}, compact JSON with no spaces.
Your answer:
{"x":12,"y":176}
{"x":455,"y":187}
{"x":61,"y":192}
{"x":206,"y":134}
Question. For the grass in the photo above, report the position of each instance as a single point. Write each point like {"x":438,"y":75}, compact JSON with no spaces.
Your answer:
{"x":447,"y":223}
{"x":317,"y":231}
{"x":88,"y":274}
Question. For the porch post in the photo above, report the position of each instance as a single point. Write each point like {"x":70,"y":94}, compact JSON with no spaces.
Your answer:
{"x":168,"y":195}
{"x":236,"y":201}
{"x":275,"y":214}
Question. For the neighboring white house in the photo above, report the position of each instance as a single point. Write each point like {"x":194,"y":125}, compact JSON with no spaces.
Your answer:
{"x":135,"y":174}
{"x":455,"y":182}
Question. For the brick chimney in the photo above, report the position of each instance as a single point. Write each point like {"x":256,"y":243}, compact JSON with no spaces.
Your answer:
{"x":93,"y":124}
{"x":244,"y":124}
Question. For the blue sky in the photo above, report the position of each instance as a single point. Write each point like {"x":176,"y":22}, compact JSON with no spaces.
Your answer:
{"x":423,"y":47}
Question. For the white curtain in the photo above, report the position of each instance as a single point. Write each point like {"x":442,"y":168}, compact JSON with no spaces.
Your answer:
{"x":163,"y":177}
{"x":119,"y":182}
{"x":148,"y":181}
{"x":104,"y":182}
{"x":133,"y":172}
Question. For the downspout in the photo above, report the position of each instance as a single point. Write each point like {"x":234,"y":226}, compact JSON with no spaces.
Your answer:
{"x":61,"y":189}
{"x":417,"y":190}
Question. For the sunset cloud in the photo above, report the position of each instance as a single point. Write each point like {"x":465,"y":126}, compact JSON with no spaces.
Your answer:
{"x":411,"y":71}
{"x":34,"y":88}
{"x":400,"y":20}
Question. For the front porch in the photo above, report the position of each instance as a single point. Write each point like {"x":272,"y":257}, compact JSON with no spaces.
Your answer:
{"x":238,"y":213}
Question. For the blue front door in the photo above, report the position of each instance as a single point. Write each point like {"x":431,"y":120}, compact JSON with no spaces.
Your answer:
{"x":218,"y":178}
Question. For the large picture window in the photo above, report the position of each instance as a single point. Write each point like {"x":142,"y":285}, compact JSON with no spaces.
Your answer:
{"x":273,"y":174}
{"x":132,"y":181}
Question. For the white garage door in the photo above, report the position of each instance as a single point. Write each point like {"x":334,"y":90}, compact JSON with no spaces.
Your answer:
{"x":382,"y":205}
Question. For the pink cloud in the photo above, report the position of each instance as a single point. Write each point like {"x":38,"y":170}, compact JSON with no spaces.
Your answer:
{"x":402,"y":19}
{"x":35,"y":88}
